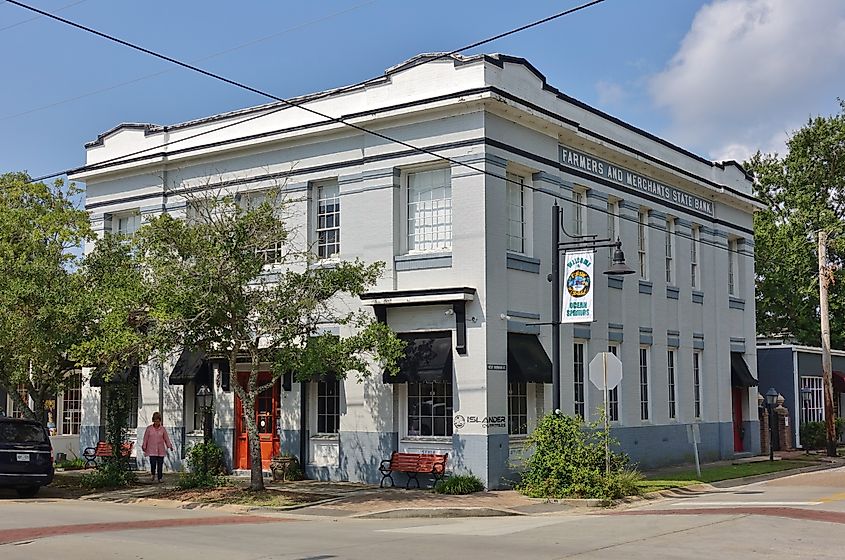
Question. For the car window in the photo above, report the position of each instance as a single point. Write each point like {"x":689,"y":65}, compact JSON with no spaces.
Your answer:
{"x":21,"y":433}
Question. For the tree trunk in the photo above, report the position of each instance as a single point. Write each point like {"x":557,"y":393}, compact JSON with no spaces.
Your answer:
{"x":827,"y":373}
{"x":256,"y":480}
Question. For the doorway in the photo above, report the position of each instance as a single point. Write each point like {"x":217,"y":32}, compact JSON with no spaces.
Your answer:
{"x":266,"y":405}
{"x":736,"y":401}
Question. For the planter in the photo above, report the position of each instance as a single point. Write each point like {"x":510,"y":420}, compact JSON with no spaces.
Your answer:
{"x":279,"y":467}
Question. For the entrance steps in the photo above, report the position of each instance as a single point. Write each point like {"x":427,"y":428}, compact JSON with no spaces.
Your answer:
{"x":247,"y":473}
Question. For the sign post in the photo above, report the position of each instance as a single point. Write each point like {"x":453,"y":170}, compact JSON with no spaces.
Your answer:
{"x":605,"y":374}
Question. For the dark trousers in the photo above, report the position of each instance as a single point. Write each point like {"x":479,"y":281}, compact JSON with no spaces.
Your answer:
{"x":156,"y":463}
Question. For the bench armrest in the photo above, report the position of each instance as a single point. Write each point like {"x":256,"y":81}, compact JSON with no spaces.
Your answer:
{"x":385,"y":466}
{"x":89,"y":452}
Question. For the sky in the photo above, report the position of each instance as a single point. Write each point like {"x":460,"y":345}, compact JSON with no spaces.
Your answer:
{"x":722,"y":78}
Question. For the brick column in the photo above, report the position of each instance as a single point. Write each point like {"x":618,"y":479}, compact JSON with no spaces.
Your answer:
{"x":784,"y":433}
{"x":763,"y":415}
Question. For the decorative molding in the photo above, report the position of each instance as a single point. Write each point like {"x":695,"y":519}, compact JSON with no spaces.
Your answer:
{"x":422,"y":261}
{"x":515,"y":261}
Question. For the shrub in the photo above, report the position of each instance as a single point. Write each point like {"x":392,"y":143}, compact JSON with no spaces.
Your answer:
{"x":112,"y":473}
{"x":71,"y":464}
{"x":459,"y":484}
{"x":206,"y":466}
{"x":814,"y":434}
{"x":567,"y":460}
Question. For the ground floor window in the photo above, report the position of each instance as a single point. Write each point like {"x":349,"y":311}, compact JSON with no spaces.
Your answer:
{"x":430,"y":408}
{"x":644,"y":392}
{"x":17,"y":410}
{"x":613,"y":394}
{"x":696,"y":383}
{"x":71,"y":409}
{"x":328,"y":406}
{"x":132,"y":422}
{"x":517,"y":408}
{"x":813,"y":406}
{"x":578,"y":379}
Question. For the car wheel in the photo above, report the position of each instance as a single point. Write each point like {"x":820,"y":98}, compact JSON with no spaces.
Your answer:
{"x":28,"y":491}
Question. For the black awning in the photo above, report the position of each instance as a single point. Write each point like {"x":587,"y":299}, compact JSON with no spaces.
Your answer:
{"x":527,"y":360}
{"x":740,"y":374}
{"x":428,"y":357}
{"x":192,"y":365}
{"x":128,"y":375}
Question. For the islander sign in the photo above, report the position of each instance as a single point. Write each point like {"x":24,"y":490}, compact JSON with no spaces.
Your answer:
{"x":578,"y":288}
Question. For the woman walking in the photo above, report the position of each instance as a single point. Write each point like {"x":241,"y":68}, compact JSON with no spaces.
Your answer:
{"x":156,"y":444}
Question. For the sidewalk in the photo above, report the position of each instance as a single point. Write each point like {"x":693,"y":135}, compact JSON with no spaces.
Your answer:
{"x":346,"y":499}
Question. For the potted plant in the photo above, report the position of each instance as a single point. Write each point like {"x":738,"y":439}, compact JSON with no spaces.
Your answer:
{"x":285,"y":466}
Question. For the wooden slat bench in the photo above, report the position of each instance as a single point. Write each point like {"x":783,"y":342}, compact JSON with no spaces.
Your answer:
{"x":103,"y":449}
{"x":413,"y":464}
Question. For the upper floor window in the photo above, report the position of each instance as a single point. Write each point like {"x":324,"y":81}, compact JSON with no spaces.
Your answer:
{"x":516,"y":212}
{"x":430,"y":211}
{"x":328,"y":406}
{"x":579,"y":210}
{"x":328,"y":220}
{"x":670,"y":251}
{"x":695,"y":244}
{"x":642,"y":243}
{"x":733,"y":253}
{"x":612,"y":224}
{"x":126,"y":223}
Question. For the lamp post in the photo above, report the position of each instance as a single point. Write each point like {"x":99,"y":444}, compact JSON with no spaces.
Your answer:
{"x":806,"y":399}
{"x":771,"y":400}
{"x":617,"y":268}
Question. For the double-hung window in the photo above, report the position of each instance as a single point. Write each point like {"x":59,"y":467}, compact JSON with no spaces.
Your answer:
{"x":695,"y":244}
{"x":813,"y":408}
{"x":733,"y":248}
{"x":670,"y":369}
{"x":429,"y":225}
{"x":430,"y":408}
{"x":328,"y":220}
{"x":670,"y":251}
{"x":642,"y":243}
{"x":696,"y":383}
{"x":579,"y":387}
{"x":328,"y":406}
{"x":126,"y":223}
{"x":579,"y":210}
{"x":644,"y":404}
{"x":613,"y":394}
{"x":517,"y":408}
{"x":516,"y":212}
{"x":72,"y":405}
{"x":612,"y":224}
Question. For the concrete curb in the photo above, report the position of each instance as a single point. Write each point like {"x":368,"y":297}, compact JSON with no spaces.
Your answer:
{"x":438,"y":512}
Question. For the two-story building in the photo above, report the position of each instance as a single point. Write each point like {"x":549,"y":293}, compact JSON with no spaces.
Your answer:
{"x":460,"y":213}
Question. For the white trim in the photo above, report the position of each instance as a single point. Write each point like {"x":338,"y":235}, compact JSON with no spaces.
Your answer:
{"x":435,"y":298}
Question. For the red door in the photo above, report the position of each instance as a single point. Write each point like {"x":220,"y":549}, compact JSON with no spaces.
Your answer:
{"x":266,"y":405}
{"x":736,"y":399}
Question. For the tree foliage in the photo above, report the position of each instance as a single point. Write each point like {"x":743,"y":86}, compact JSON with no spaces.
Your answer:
{"x":41,"y":307}
{"x":230,"y":280}
{"x":804,"y":192}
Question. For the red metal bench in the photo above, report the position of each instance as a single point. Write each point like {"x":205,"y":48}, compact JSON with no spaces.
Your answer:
{"x":103,"y":449}
{"x":413,"y":464}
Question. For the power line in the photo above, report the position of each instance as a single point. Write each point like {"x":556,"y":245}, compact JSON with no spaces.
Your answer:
{"x":65,"y":7}
{"x":203,"y":59}
{"x":329,"y":119}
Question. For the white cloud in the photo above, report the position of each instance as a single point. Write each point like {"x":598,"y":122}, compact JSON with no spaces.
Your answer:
{"x":748,"y":72}
{"x":609,"y":93}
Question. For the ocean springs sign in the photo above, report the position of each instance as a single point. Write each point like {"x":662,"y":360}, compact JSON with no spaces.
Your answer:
{"x":606,"y":170}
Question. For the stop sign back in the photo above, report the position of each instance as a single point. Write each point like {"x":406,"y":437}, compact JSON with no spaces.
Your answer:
{"x":605,"y":371}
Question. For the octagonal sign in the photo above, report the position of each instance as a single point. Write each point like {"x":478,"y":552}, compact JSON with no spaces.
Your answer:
{"x":605,"y":371}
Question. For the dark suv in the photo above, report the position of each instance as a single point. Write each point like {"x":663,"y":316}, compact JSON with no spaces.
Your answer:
{"x":26,"y":456}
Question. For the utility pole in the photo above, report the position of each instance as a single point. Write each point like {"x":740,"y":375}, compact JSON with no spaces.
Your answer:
{"x":827,"y":376}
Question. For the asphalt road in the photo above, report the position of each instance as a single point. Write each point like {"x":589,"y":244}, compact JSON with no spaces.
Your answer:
{"x":796,"y":517}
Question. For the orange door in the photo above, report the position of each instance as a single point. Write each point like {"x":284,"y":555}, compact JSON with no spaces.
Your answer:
{"x":266,"y":405}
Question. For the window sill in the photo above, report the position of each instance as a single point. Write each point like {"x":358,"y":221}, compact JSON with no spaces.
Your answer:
{"x":331,"y":262}
{"x":427,"y":439}
{"x":423,"y":260}
{"x":328,"y":438}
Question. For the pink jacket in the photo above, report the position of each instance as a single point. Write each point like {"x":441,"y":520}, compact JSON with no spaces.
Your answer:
{"x":155,"y":441}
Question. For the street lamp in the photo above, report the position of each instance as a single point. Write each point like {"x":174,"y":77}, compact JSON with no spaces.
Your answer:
{"x":204,"y":402}
{"x":617,"y":268}
{"x":771,"y":400}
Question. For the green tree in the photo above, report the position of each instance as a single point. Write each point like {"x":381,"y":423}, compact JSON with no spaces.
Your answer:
{"x":804,"y":192}
{"x":230,"y":280}
{"x":41,"y":308}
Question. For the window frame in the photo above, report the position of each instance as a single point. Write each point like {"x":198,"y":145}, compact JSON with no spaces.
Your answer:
{"x":697,"y":356}
{"x":73,"y":427}
{"x":645,"y":385}
{"x":613,"y":232}
{"x":612,"y":411}
{"x":132,"y":217}
{"x":325,"y":418}
{"x":642,"y":243}
{"x":317,"y":191}
{"x":813,"y":411}
{"x":733,"y":266}
{"x":671,"y":380}
{"x":670,"y":251}
{"x":448,"y":240}
{"x":579,"y":381}
{"x":579,"y":209}
{"x":515,"y":186}
{"x":695,"y":256}
{"x":448,"y":408}
{"x":518,"y":393}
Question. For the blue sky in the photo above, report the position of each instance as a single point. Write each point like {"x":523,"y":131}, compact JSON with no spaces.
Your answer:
{"x":721,"y":78}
